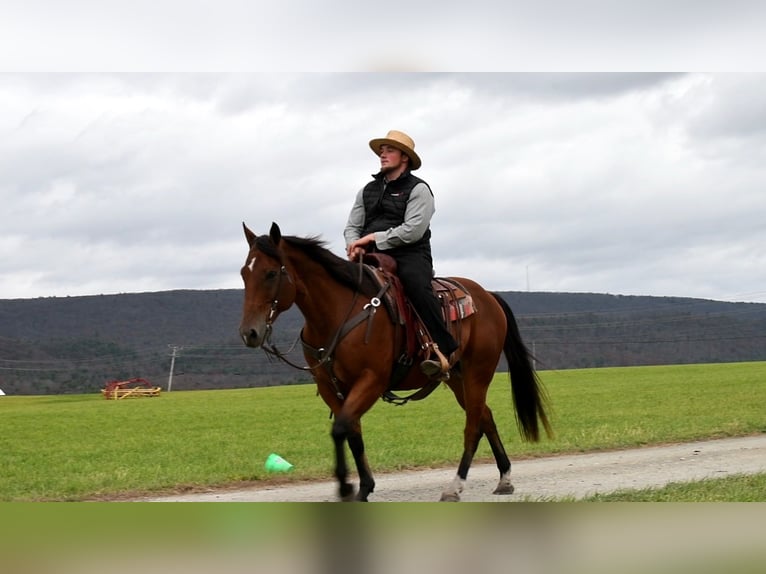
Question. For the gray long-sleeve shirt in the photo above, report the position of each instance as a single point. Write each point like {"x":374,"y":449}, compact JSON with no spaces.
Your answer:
{"x":417,"y":217}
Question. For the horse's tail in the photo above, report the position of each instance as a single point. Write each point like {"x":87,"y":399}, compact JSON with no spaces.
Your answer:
{"x":529,"y":396}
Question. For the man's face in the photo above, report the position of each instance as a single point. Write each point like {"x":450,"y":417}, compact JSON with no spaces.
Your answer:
{"x":391,"y":159}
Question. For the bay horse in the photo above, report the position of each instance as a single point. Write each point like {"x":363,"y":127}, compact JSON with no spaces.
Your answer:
{"x":353,"y":366}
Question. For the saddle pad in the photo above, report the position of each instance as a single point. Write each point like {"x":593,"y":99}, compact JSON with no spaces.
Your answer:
{"x":460,"y":309}
{"x":457,"y":303}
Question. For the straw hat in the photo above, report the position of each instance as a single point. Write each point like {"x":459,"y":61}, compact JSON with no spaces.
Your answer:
{"x":400,"y":141}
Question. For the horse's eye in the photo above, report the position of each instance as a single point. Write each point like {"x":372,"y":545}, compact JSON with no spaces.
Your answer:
{"x":271,"y":275}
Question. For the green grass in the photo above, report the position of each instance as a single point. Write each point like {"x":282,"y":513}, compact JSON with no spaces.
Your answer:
{"x":738,"y":488}
{"x":75,"y":447}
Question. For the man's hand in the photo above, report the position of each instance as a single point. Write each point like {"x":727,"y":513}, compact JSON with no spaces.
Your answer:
{"x":357,"y":248}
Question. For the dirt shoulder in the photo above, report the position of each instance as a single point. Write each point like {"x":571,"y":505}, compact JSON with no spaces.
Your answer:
{"x":576,"y":475}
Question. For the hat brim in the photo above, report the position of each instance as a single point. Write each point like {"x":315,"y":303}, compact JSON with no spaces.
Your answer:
{"x":415,"y":162}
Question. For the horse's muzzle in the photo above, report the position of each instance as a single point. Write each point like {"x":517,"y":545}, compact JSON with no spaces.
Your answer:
{"x":250,"y":337}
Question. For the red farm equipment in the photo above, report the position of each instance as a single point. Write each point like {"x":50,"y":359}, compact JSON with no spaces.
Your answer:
{"x":131,"y":388}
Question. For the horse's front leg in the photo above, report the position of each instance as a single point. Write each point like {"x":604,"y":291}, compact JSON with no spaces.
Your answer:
{"x":348,"y":426}
{"x":356,"y":444}
{"x":340,"y":433}
{"x":343,"y":431}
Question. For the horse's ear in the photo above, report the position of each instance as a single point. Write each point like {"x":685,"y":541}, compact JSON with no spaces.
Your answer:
{"x":275,"y":234}
{"x":249,"y":235}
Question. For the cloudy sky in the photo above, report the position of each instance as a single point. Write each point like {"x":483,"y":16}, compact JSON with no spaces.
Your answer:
{"x":631,"y":183}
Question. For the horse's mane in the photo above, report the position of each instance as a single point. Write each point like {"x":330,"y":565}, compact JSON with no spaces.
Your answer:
{"x":343,"y":271}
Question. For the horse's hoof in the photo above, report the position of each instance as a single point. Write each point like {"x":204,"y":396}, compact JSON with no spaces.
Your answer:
{"x":504,"y":485}
{"x":504,"y":489}
{"x":362,"y":495}
{"x":450,"y":497}
{"x":347,"y":493}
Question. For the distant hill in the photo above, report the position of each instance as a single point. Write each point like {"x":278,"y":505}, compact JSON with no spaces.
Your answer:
{"x":77,"y":344}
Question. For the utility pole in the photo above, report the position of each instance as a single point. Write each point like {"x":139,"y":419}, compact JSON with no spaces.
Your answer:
{"x":173,"y":355}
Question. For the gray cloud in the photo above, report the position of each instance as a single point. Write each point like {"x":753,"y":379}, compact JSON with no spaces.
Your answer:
{"x":620,"y":183}
{"x":239,"y":35}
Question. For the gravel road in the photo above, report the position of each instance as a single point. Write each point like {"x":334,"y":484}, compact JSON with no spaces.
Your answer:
{"x":576,"y":476}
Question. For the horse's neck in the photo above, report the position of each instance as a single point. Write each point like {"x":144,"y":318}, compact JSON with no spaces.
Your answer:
{"x":323,"y":302}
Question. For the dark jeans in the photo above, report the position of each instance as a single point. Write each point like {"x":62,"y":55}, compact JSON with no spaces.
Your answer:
{"x":415,"y":270}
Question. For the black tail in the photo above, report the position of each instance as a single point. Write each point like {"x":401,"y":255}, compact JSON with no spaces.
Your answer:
{"x":529,"y":396}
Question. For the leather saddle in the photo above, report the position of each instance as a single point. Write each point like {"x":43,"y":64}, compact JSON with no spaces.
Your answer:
{"x":456,"y":304}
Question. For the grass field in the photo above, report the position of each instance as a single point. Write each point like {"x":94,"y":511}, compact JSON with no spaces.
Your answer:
{"x":737,"y":488}
{"x":82,"y":447}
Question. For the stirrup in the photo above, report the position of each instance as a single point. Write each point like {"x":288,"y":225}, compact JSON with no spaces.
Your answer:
{"x":430,"y":368}
{"x":443,"y":361}
{"x":436,"y":369}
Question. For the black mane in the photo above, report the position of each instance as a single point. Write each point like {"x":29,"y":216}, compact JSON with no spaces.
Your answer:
{"x":343,"y":271}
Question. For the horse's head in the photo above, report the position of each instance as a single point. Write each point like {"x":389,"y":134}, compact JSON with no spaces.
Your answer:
{"x":269,"y":289}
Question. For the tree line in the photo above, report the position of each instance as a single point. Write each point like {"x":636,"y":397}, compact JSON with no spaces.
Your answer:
{"x":60,"y":345}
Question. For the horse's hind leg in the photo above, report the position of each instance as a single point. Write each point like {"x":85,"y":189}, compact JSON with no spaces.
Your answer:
{"x":489,"y":428}
{"x":473,"y":405}
{"x":486,"y":427}
{"x":452,"y":492}
{"x":479,"y":422}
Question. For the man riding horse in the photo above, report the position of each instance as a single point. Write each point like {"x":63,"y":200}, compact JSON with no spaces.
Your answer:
{"x":392,"y":215}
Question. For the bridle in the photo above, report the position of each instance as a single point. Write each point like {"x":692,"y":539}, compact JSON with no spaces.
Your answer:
{"x":275,"y":302}
{"x":268,"y":346}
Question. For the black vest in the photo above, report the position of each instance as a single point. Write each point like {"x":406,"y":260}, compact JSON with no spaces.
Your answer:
{"x":386,"y":202}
